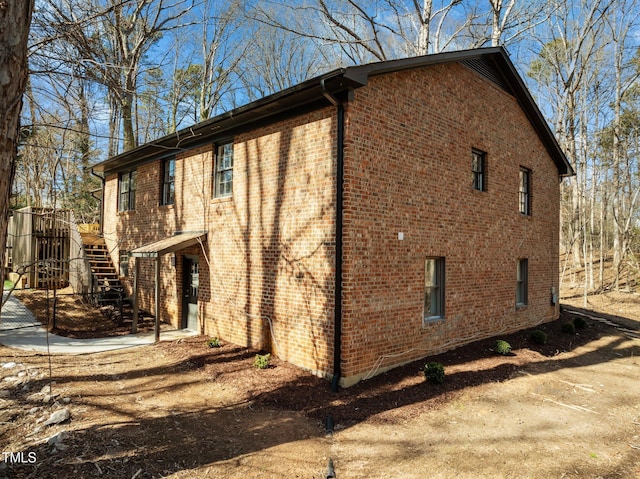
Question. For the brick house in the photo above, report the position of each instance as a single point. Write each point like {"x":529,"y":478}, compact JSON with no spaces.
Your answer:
{"x":354,"y":222}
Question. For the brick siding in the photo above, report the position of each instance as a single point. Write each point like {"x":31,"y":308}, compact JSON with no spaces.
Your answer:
{"x":267,"y":266}
{"x":268,"y":261}
{"x":408,"y":169}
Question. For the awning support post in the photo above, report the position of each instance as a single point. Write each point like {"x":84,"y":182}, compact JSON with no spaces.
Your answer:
{"x":157,"y":326}
{"x":136,"y":272}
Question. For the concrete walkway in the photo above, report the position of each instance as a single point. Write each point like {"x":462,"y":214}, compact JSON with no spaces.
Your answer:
{"x":19,"y":329}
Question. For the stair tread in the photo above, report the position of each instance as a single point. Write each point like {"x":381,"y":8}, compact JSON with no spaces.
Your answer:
{"x":103,"y":270}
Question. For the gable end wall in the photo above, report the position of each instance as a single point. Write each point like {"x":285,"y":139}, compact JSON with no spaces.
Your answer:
{"x":408,"y":148}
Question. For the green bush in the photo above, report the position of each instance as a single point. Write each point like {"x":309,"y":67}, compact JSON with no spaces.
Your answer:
{"x":434,"y":372}
{"x":214,"y":343}
{"x":538,"y":337}
{"x":580,"y":323}
{"x":502,"y":347}
{"x":568,"y":327}
{"x":262,"y":361}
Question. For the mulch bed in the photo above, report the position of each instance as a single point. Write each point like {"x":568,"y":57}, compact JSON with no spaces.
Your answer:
{"x":290,"y":388}
{"x":379,"y":399}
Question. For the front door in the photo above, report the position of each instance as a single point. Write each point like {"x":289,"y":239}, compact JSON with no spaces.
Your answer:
{"x":190,"y":283}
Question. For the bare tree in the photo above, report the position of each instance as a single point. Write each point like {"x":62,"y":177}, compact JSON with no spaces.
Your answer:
{"x":222,"y":50}
{"x":365,"y":30}
{"x":424,"y":19}
{"x":621,"y":23}
{"x":110,"y":39}
{"x":513,"y":18}
{"x":151,"y":115}
{"x":590,"y":72}
{"x":358,"y":29}
{"x":205,"y":62}
{"x":278,"y":59}
{"x":15,"y":19}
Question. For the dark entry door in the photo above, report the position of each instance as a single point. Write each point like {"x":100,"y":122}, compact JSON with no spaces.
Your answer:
{"x":190,"y":284}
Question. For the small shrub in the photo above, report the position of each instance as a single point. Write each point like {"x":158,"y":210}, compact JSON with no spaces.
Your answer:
{"x":434,"y":373}
{"x":568,"y":328}
{"x":214,"y":343}
{"x":538,"y":337}
{"x":502,"y":347}
{"x":262,"y":361}
{"x":580,"y":323}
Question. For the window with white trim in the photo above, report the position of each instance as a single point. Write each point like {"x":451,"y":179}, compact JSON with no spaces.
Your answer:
{"x":223,"y":171}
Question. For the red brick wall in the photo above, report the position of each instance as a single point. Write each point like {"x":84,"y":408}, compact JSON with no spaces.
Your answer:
{"x":269,"y":254}
{"x":408,"y":169}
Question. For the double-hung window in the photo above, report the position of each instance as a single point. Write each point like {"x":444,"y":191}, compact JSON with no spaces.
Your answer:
{"x":524,"y":191}
{"x":479,"y":170}
{"x":168,"y":181}
{"x":223,"y":171}
{"x":522,"y":282}
{"x":433,"y":288}
{"x":127,"y":191}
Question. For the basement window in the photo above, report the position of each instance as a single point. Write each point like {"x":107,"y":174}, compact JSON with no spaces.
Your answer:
{"x":433,"y":289}
{"x":522,"y":282}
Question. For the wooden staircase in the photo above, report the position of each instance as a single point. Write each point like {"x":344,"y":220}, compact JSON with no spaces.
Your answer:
{"x":106,"y":282}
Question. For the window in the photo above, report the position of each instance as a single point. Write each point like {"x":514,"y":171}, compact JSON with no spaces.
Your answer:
{"x":124,"y":263}
{"x":168,"y":181}
{"x":127,"y":186}
{"x":522,"y":282}
{"x":223,"y":171}
{"x":479,"y":170}
{"x":525,"y":191}
{"x":433,"y":288}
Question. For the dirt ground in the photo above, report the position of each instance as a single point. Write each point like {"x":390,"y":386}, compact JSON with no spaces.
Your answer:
{"x":75,"y":317}
{"x":567,"y":409}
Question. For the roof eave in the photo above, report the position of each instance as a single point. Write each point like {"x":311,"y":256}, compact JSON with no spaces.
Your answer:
{"x":501,"y":60}
{"x":337,"y":81}
{"x":534,"y":114}
{"x":293,"y":98}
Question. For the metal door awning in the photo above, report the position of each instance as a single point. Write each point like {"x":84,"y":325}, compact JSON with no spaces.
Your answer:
{"x":155,"y":251}
{"x":169,"y":244}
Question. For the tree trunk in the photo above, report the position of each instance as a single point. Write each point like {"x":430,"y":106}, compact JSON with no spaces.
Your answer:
{"x":130,"y":138}
{"x":618,"y":250}
{"x":496,"y":7}
{"x":425,"y":20}
{"x":15,"y":19}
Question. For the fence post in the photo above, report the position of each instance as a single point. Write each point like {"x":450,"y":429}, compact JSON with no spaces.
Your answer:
{"x":55,"y":310}
{"x":120,"y":318}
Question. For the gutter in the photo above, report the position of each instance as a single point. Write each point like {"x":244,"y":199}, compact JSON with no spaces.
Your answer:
{"x":337,"y":342}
